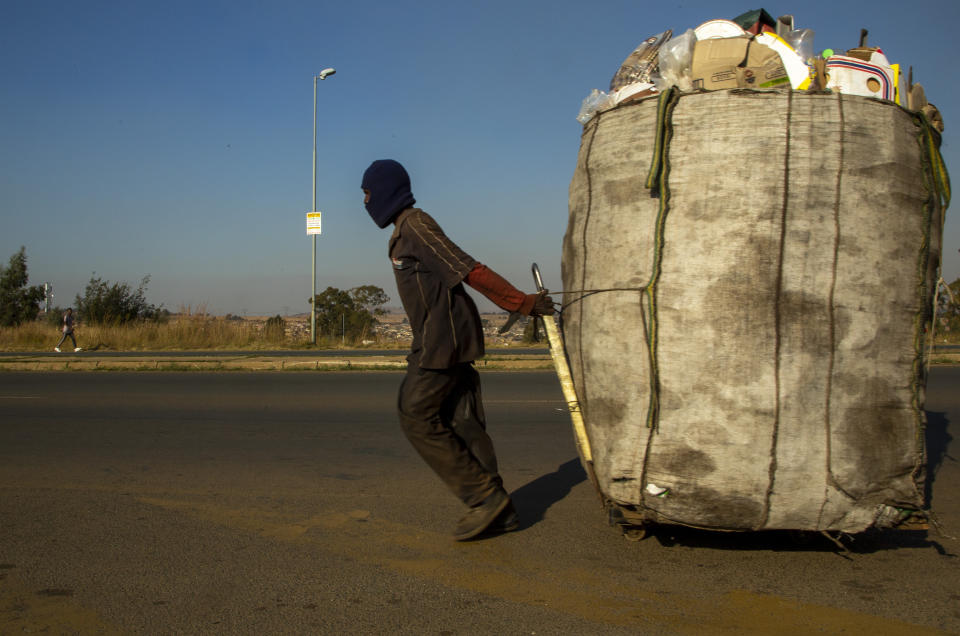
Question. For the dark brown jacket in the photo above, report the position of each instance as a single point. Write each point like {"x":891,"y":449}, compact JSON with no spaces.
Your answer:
{"x":430,"y":270}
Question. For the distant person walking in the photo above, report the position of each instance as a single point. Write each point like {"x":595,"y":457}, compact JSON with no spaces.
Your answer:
{"x":67,"y":331}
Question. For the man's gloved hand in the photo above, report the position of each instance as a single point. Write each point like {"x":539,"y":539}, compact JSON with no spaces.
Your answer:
{"x":542,"y":304}
{"x":533,"y":305}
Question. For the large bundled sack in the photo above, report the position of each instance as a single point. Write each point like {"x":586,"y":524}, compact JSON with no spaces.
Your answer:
{"x":749,"y":279}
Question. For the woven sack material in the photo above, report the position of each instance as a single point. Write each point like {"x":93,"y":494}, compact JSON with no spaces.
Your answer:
{"x":746,"y":335}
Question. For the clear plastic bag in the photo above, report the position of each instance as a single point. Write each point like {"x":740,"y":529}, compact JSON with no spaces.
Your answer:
{"x":802,"y":42}
{"x":595,"y":102}
{"x":676,"y":60}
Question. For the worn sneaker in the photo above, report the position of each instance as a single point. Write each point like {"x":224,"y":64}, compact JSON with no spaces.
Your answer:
{"x":78,"y":349}
{"x":57,"y":349}
{"x":479,"y":517}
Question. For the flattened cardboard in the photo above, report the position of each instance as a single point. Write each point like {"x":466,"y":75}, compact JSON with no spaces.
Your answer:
{"x":762,"y":77}
{"x":869,"y":54}
{"x":797,"y":70}
{"x":739,"y":62}
{"x":767,"y":67}
{"x":715,"y":62}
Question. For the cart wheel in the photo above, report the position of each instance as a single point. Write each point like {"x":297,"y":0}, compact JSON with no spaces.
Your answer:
{"x":634,"y":533}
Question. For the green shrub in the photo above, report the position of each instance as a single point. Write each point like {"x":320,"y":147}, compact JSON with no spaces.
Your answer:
{"x":275,"y":330}
{"x":116,"y":304}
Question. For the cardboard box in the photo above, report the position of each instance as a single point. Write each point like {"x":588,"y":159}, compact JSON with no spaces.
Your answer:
{"x":869,"y":54}
{"x":797,"y":70}
{"x":767,"y":76}
{"x":737,"y":62}
{"x":715,"y":62}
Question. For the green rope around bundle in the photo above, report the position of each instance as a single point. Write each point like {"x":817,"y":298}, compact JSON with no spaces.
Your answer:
{"x":667,"y":101}
{"x":940,"y":178}
{"x":659,"y":171}
{"x":656,"y":180}
{"x":931,"y":143}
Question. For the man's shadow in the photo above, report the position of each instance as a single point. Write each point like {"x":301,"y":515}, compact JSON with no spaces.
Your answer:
{"x":535,"y":498}
{"x":938,"y":441}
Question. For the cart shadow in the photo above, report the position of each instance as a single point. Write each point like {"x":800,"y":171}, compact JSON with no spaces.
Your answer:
{"x":535,"y":498}
{"x":868,"y":542}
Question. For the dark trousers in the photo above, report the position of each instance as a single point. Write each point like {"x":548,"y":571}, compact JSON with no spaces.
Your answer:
{"x":441,"y":413}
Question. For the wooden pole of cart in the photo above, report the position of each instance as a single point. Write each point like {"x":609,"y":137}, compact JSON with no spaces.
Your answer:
{"x":557,"y":352}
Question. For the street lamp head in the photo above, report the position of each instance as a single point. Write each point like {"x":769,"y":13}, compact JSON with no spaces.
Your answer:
{"x":326,"y":72}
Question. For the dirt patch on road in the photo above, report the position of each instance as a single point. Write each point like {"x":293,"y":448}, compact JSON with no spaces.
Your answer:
{"x":48,"y":610}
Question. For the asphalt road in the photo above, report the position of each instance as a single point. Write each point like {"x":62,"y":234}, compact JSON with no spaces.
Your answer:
{"x":258,"y":503}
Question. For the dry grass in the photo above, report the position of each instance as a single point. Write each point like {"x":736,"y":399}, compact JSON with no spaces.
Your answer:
{"x":196,"y":330}
{"x":177,"y":334}
{"x":187,"y":331}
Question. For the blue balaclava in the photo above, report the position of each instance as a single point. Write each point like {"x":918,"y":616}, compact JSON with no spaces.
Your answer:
{"x":389,"y":187}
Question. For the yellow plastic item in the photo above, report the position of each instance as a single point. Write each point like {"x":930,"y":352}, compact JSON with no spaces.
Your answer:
{"x":797,"y":70}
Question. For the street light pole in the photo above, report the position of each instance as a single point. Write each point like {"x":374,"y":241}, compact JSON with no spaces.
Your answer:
{"x":313,"y":269}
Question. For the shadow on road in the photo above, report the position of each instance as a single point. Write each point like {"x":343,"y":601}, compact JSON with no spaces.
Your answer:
{"x":938,"y":441}
{"x":535,"y":498}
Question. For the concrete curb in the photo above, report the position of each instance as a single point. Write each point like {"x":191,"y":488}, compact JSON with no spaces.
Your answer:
{"x":92,"y":362}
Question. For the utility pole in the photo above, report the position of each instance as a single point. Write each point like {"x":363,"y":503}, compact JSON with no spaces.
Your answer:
{"x":324,"y":74}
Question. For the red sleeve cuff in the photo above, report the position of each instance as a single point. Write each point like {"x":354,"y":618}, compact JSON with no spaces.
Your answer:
{"x":499,"y":291}
{"x":529,"y":300}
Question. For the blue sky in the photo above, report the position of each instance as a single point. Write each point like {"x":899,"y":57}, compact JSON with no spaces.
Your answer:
{"x":175,"y":139}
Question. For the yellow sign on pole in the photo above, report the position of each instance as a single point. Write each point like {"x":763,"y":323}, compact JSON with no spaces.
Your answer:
{"x":313,"y":223}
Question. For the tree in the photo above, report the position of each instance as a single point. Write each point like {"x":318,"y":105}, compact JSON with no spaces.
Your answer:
{"x":18,"y":301}
{"x":350,"y":313}
{"x":948,"y":311}
{"x":371,"y":298}
{"x":103,"y":303}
